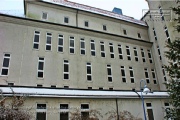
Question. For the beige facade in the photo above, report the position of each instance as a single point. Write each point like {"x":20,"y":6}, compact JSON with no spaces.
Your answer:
{"x":109,"y":53}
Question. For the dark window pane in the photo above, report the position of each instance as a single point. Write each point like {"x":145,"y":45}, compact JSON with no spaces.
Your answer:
{"x":6,"y":62}
{"x":71,"y":37}
{"x":60,"y":49}
{"x":41,"y":58}
{"x":149,"y":54}
{"x":120,"y":50}
{"x":147,"y":81}
{"x":86,"y":23}
{"x":88,"y":70}
{"x":93,"y":53}
{"x":41,"y":66}
{"x":146,"y":74}
{"x":64,"y":106}
{"x":139,"y":35}
{"x":142,"y":53}
{"x":82,"y":45}
{"x":153,"y":74}
{"x":64,"y":116}
{"x":41,"y":116}
{"x":4,"y":72}
{"x":41,"y":106}
{"x":71,"y":43}
{"x":136,"y":59}
{"x":37,"y":32}
{"x":36,"y":46}
{"x":60,"y":41}
{"x":102,"y":54}
{"x":66,"y":68}
{"x":124,"y":79}
{"x":131,"y":74}
{"x":135,"y":53}
{"x":36,"y":38}
{"x":150,"y":114}
{"x":128,"y":51}
{"x":144,"y":60}
{"x":66,"y":76}
{"x":120,"y":57}
{"x":92,"y":46}
{"x":89,"y":77}
{"x":84,"y":106}
{"x":40,"y":74}
{"x":104,"y":27}
{"x":102,"y":47}
{"x":48,"y":40}
{"x":129,"y":58}
{"x":110,"y":79}
{"x":124,"y":31}
{"x":112,"y":55}
{"x":71,"y":50}
{"x":48,"y":47}
{"x":122,"y":72}
{"x":155,"y":82}
{"x":66,"y":20}
{"x":111,"y":49}
{"x":83,"y":52}
{"x":109,"y":71}
{"x":167,"y":34}
{"x":132,"y":80}
{"x":84,"y":115}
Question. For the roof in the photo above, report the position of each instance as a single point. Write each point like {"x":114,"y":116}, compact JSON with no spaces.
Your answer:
{"x":95,"y":10}
{"x":45,"y":92}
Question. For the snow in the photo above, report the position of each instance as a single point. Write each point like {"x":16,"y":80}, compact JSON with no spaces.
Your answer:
{"x":44,"y":92}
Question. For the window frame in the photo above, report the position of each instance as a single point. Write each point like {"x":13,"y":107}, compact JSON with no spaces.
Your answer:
{"x":164,"y":74}
{"x":120,"y":54}
{"x":101,"y":51}
{"x":146,"y":73}
{"x":46,"y":16}
{"x":111,"y":52}
{"x":143,"y":55}
{"x":60,"y":37}
{"x":122,"y":68}
{"x":128,"y":55}
{"x":66,"y":63}
{"x":154,"y":76}
{"x":93,"y":42}
{"x":159,"y":53}
{"x":7,"y":68}
{"x":131,"y":77}
{"x":86,"y":25}
{"x":108,"y":66}
{"x":155,"y":36}
{"x":150,"y":56}
{"x":167,"y":34}
{"x":139,"y":35}
{"x":104,"y":27}
{"x":82,"y":40}
{"x":37,"y":43}
{"x":41,"y":110}
{"x":136,"y":58}
{"x":88,"y":64}
{"x":38,"y":67}
{"x":66,"y":18}
{"x":48,"y":44}
{"x":70,"y":47}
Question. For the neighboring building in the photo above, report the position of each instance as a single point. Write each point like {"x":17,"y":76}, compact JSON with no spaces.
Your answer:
{"x":66,"y":55}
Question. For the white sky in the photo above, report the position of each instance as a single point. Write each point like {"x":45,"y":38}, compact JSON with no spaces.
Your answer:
{"x":132,"y":8}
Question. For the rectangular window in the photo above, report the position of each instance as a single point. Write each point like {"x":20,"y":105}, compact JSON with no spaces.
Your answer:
{"x":41,"y":67}
{"x":154,"y":76}
{"x":111,"y":50}
{"x":167,"y":33}
{"x":89,"y":72}
{"x":66,"y":20}
{"x":155,"y":37}
{"x":48,"y":41}
{"x":10,"y":84}
{"x":150,"y":56}
{"x":109,"y":72}
{"x":128,"y":52}
{"x":60,"y":43}
{"x":150,"y":111}
{"x":125,"y":32}
{"x":159,"y":53}
{"x":146,"y":75}
{"x":93,"y":49}
{"x":161,"y":13}
{"x":164,"y":73}
{"x":41,"y":112}
{"x":82,"y":44}
{"x":86,"y":24}
{"x":5,"y":65}
{"x":123,"y":74}
{"x":103,"y":54}
{"x":167,"y":108}
{"x":36,"y":40}
{"x":120,"y":52}
{"x":104,"y":27}
{"x":135,"y":54}
{"x":44,"y":15}
{"x":131,"y":74}
{"x":84,"y":111}
{"x":71,"y":44}
{"x":139,"y":35}
{"x":64,"y":112}
{"x":143,"y":55}
{"x":66,"y":69}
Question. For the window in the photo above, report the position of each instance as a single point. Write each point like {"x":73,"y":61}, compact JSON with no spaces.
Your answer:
{"x":139,"y":35}
{"x":150,"y":56}
{"x":131,"y":74}
{"x":93,"y":50}
{"x":66,"y":69}
{"x":146,"y":75}
{"x":36,"y":40}
{"x":167,"y":33}
{"x":128,"y":52}
{"x":5,"y":65}
{"x":159,"y":53}
{"x":41,"y":112}
{"x":167,"y":108}
{"x":164,"y":73}
{"x":103,"y":54}
{"x":86,"y":24}
{"x":44,"y":16}
{"x":155,"y":37}
{"x":38,"y":85}
{"x":48,"y":41}
{"x":66,"y":87}
{"x":10,"y":84}
{"x":53,"y":86}
{"x":111,"y":89}
{"x":64,"y":112}
{"x":89,"y":88}
{"x":109,"y":72}
{"x":143,"y":55}
{"x":84,"y":111}
{"x":111,"y":49}
{"x":161,"y":13}
{"x":71,"y":44}
{"x":41,"y":67}
{"x":135,"y":54}
{"x":100,"y":88}
{"x":82,"y":44}
{"x":120,"y":52}
{"x":125,"y":32}
{"x":60,"y":43}
{"x":154,"y":76}
{"x":123,"y":74}
{"x":66,"y":20}
{"x":89,"y":72}
{"x":150,"y":111}
{"x":104,"y":27}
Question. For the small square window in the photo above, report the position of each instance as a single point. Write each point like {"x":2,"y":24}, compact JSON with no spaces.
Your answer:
{"x":125,"y":32}
{"x":66,"y":20}
{"x":139,"y":35}
{"x":44,"y":15}
{"x":86,"y":24}
{"x":104,"y":27}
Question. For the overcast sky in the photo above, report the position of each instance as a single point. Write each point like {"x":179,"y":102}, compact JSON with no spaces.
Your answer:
{"x":132,"y":8}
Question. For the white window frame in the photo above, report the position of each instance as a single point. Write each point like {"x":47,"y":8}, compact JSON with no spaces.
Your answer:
{"x":60,"y":36}
{"x":128,"y":49}
{"x":93,"y":42}
{"x":67,"y":63}
{"x":159,"y":53}
{"x":46,"y":16}
{"x":164,"y":74}
{"x":150,"y":56}
{"x":63,"y":110}
{"x":88,"y":64}
{"x":48,"y":44}
{"x":109,"y":67}
{"x":84,"y":49}
{"x":101,"y":51}
{"x":154,"y":76}
{"x":34,"y":39}
{"x":143,"y":57}
{"x":149,"y":107}
{"x":136,"y":56}
{"x":111,"y":53}
{"x":166,"y":32}
{"x":161,"y":13}
{"x":146,"y":77}
{"x":131,"y":77}
{"x":120,"y":54}
{"x":123,"y":68}
{"x":41,"y":110}
{"x":38,"y":67}
{"x":7,"y":57}
{"x":154,"y":32}
{"x":70,"y":47}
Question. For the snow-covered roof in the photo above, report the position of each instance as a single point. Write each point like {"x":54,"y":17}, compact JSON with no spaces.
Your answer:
{"x":95,"y":10}
{"x":44,"y":92}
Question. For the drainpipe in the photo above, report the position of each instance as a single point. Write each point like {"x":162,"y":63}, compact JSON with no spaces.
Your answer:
{"x":117,"y":109}
{"x":77,"y":18}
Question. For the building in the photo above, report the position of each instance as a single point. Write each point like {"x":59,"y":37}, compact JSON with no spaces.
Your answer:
{"x":65,"y":55}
